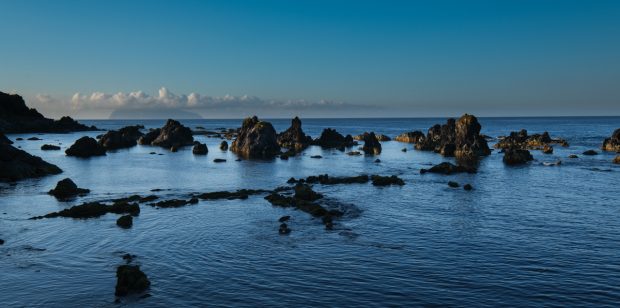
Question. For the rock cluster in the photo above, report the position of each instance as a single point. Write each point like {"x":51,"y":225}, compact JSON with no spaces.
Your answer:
{"x":294,"y":137}
{"x":256,"y":139}
{"x":172,"y":135}
{"x":66,"y":188}
{"x":448,"y":168}
{"x":125,"y":137}
{"x":95,"y":209}
{"x":410,"y":137}
{"x":16,"y":164}
{"x":85,"y":147}
{"x":612,"y":143}
{"x":521,"y":140}
{"x":330,"y":138}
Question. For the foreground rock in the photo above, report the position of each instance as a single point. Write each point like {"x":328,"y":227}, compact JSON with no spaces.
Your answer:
{"x":521,"y":140}
{"x":517,"y":156}
{"x":16,"y":117}
{"x":130,"y":279}
{"x":371,"y":144}
{"x":200,"y":149}
{"x":173,"y":135}
{"x":125,"y":137}
{"x":125,"y":221}
{"x":294,"y":137}
{"x":50,"y":147}
{"x":410,"y":137}
{"x":4,"y":139}
{"x":613,"y":143}
{"x":16,"y":164}
{"x":460,"y":138}
{"x":66,"y":188}
{"x":448,"y":168}
{"x":330,"y":138}
{"x":256,"y":139}
{"x":94,"y":209}
{"x":85,"y":147}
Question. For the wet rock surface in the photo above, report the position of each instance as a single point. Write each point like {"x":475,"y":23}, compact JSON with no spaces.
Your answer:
{"x":378,"y":180}
{"x":294,"y":137}
{"x":517,"y":156}
{"x":16,"y":164}
{"x":66,"y":188}
{"x":200,"y":149}
{"x":130,"y":279}
{"x":612,"y":143}
{"x":521,"y":140}
{"x":125,"y":137}
{"x":448,"y":168}
{"x":256,"y":139}
{"x":410,"y":137}
{"x":85,"y":147}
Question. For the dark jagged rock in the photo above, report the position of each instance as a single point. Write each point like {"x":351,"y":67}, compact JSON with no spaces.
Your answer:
{"x":50,"y":147}
{"x":16,"y":117}
{"x":330,"y":138}
{"x":612,"y":143}
{"x":294,"y":137}
{"x":448,"y":168}
{"x":378,"y":180}
{"x":590,"y":152}
{"x":521,"y":140}
{"x":66,"y":188}
{"x":517,"y":156}
{"x":305,"y":192}
{"x":148,"y":138}
{"x":460,"y":138}
{"x":467,"y":187}
{"x":200,"y":149}
{"x":327,"y":180}
{"x":547,"y":149}
{"x":130,"y":279}
{"x":85,"y":147}
{"x":280,"y":200}
{"x":371,"y":144}
{"x":410,"y":137}
{"x":4,"y":139}
{"x":172,"y":135}
{"x":125,"y":137}
{"x":136,"y":198}
{"x":16,"y":164}
{"x":453,"y":184}
{"x":256,"y":139}
{"x":125,"y":221}
{"x":380,"y":137}
{"x":224,"y":145}
{"x":94,"y":209}
{"x":231,"y":195}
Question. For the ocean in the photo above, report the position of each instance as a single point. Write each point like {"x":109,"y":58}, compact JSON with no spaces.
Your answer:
{"x":531,"y":235}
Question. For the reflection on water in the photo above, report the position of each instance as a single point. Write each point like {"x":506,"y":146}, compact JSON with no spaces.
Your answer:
{"x":523,"y":235}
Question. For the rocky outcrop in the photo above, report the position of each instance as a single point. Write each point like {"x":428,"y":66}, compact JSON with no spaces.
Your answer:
{"x":294,"y":137}
{"x":521,"y":140}
{"x":66,"y":188}
{"x":16,"y":117}
{"x":410,"y":137}
{"x":612,"y":143}
{"x":94,"y":209}
{"x":616,"y":159}
{"x":371,"y":144}
{"x":460,"y":138}
{"x":224,"y":145}
{"x":380,"y":137}
{"x":16,"y":164}
{"x":4,"y":139}
{"x":330,"y":138}
{"x":256,"y":139}
{"x":172,"y":135}
{"x":85,"y":147}
{"x":200,"y":149}
{"x":515,"y":156}
{"x":125,"y":221}
{"x":148,"y":138}
{"x":125,"y":137}
{"x":50,"y":147}
{"x":130,"y":279}
{"x":448,"y":168}
{"x":378,"y":180}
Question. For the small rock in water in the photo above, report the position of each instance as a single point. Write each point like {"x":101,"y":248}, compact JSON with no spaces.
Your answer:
{"x":224,"y":145}
{"x":377,"y":160}
{"x":1,"y":242}
{"x":66,"y":188}
{"x":284,"y":229}
{"x":129,"y":257}
{"x":547,"y":149}
{"x":617,"y":160}
{"x":200,"y":149}
{"x":378,"y":180}
{"x":284,"y":218}
{"x":453,"y":184}
{"x":404,"y":150}
{"x":34,"y":138}
{"x":130,"y":279}
{"x":590,"y":152}
{"x":50,"y":147}
{"x":354,"y":153}
{"x":125,"y":222}
{"x":219,"y":160}
{"x":467,"y":187}
{"x":316,"y":156}
{"x":573,"y":156}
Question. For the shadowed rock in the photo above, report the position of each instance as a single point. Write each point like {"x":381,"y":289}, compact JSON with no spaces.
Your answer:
{"x":410,"y":137}
{"x":330,"y":138}
{"x":613,"y":143}
{"x":130,"y":279}
{"x":230,"y":195}
{"x":16,"y":164}
{"x":125,"y":221}
{"x":66,"y":188}
{"x":224,"y":145}
{"x":380,"y":137}
{"x":305,"y":192}
{"x":50,"y":147}
{"x":4,"y":139}
{"x":200,"y":149}
{"x":521,"y":140}
{"x":517,"y":156}
{"x":294,"y":137}
{"x":371,"y":144}
{"x":85,"y":147}
{"x":256,"y":139}
{"x":448,"y":168}
{"x":590,"y":153}
{"x":173,"y":135}
{"x":125,"y":137}
{"x":616,"y":159}
{"x":378,"y":180}
{"x":94,"y":209}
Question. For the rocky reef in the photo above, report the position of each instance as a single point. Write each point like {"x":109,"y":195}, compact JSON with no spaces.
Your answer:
{"x":330,"y":138}
{"x":172,"y":135}
{"x":85,"y":147}
{"x":448,"y":168}
{"x":256,"y":139}
{"x":16,"y":117}
{"x":16,"y":164}
{"x":612,"y":143}
{"x":521,"y":140}
{"x":294,"y":137}
{"x":125,"y":137}
{"x":410,"y":137}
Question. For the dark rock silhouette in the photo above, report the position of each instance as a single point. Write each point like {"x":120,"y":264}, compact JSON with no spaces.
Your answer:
{"x":521,"y":140}
{"x":590,"y":153}
{"x":172,"y":135}
{"x":294,"y":137}
{"x":256,"y":139}
{"x":4,"y":139}
{"x":453,"y":184}
{"x":330,"y":138}
{"x":50,"y":147}
{"x":200,"y":149}
{"x":16,"y":164}
{"x":95,"y":209}
{"x":547,"y":149}
{"x":515,"y":156}
{"x":130,"y":279}
{"x":125,"y":137}
{"x":612,"y":143}
{"x":448,"y":168}
{"x":284,"y":229}
{"x":66,"y":188}
{"x":224,"y":145}
{"x":371,"y":144}
{"x":85,"y":147}
{"x":467,"y":187}
{"x":16,"y":117}
{"x":616,"y":159}
{"x":305,"y":192}
{"x":379,"y":180}
{"x":410,"y":137}
{"x":125,"y":221}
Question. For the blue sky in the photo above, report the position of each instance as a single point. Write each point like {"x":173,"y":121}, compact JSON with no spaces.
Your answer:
{"x":314,"y":58}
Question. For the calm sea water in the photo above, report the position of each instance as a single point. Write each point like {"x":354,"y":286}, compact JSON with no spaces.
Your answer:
{"x":525,"y":236}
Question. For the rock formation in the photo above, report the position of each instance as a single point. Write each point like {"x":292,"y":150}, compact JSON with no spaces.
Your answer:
{"x":371,"y":144}
{"x":50,"y":147}
{"x":448,"y":168}
{"x":521,"y":140}
{"x":130,"y":279}
{"x":66,"y":188}
{"x":200,"y":149}
{"x":410,"y":137}
{"x":256,"y":139}
{"x":330,"y":138}
{"x":514,"y":156}
{"x":85,"y":147}
{"x":16,"y":164}
{"x":294,"y":137}
{"x":125,"y":137}
{"x":224,"y":145}
{"x":612,"y":143}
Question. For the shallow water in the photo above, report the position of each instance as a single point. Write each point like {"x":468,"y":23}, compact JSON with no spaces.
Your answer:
{"x":533,"y":235}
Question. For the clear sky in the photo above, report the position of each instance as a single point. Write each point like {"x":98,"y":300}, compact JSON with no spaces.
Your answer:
{"x":313,"y":58}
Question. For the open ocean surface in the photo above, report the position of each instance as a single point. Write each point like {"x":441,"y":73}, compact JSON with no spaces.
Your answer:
{"x":531,"y":235}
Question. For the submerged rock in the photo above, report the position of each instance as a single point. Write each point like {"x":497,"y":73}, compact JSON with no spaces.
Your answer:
{"x":410,"y":137}
{"x":94,"y":209}
{"x":590,"y":152}
{"x":330,"y":138}
{"x":517,"y":156}
{"x":453,"y":184}
{"x":34,"y":139}
{"x":85,"y":147}
{"x":371,"y":144}
{"x":573,"y":156}
{"x":125,"y":221}
{"x":612,"y":143}
{"x":16,"y":164}
{"x":305,"y":192}
{"x":230,"y":195}
{"x":50,"y":147}
{"x":448,"y":168}
{"x":66,"y":188}
{"x":378,"y":180}
{"x":284,"y":218}
{"x":200,"y":149}
{"x":467,"y":187}
{"x":219,"y":160}
{"x":284,"y":229}
{"x":294,"y":137}
{"x":125,"y":137}
{"x":130,"y":279}
{"x":256,"y":139}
